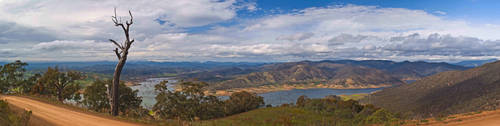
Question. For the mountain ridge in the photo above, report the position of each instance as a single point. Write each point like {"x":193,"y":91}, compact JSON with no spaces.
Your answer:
{"x":341,"y":72}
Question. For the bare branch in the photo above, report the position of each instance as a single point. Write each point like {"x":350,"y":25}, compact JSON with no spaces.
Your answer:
{"x":117,"y":54}
{"x":131,"y":18}
{"x":118,"y":22}
{"x":116,"y":43}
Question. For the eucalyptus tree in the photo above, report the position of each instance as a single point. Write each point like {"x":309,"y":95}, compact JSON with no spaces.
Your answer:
{"x":121,"y":52}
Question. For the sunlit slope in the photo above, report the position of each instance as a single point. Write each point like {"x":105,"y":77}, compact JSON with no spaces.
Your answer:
{"x":444,"y":93}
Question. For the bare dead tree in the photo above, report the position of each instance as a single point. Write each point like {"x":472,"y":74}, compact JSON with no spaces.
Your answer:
{"x":121,"y":53}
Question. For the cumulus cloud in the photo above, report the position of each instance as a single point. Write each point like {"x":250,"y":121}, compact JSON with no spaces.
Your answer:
{"x":12,"y":32}
{"x":440,"y":12}
{"x":161,"y":31}
{"x":88,"y":19}
{"x":296,"y":37}
{"x":444,"y":45}
{"x":62,"y":45}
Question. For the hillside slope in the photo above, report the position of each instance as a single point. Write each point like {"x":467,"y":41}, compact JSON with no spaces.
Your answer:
{"x":404,"y":70}
{"x":444,"y":93}
{"x":311,"y":72}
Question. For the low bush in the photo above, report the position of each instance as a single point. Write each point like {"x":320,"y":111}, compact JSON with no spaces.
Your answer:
{"x":8,"y":117}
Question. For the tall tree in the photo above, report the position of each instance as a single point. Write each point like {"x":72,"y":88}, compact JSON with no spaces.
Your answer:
{"x":121,"y":53}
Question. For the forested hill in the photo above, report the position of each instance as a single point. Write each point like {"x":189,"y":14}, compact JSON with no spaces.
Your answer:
{"x":327,"y":71}
{"x":307,"y":72}
{"x":404,"y":70}
{"x":444,"y":93}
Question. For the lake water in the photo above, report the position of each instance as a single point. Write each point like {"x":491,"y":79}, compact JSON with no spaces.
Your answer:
{"x":146,"y":90}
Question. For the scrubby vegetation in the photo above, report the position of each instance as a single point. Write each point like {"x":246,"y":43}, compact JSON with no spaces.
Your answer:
{"x":95,"y":98}
{"x":191,"y":103}
{"x":348,"y":111}
{"x":9,"y":117}
{"x":331,"y":110}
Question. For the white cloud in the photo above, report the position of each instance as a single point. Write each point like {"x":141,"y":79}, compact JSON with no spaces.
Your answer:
{"x":440,"y":12}
{"x":296,"y":37}
{"x":351,"y":32}
{"x":91,"y":18}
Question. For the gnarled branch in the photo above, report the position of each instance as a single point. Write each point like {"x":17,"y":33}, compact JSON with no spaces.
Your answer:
{"x":116,"y":43}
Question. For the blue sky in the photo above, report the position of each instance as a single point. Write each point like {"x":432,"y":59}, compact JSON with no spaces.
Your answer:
{"x":253,"y":30}
{"x":473,"y":9}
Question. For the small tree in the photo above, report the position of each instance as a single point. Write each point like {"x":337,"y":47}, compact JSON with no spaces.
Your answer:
{"x":28,"y":85}
{"x":95,"y":97}
{"x":62,"y":84}
{"x":11,"y":75}
{"x":301,"y":101}
{"x":242,"y":102}
{"x":121,"y":53}
{"x":188,"y":103}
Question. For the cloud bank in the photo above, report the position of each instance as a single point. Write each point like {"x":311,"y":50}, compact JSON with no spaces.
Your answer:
{"x":58,"y":30}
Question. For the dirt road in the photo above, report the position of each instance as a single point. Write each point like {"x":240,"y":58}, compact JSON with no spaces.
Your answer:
{"x":490,"y":120}
{"x":486,"y":118}
{"x":493,"y":120}
{"x":62,"y":116}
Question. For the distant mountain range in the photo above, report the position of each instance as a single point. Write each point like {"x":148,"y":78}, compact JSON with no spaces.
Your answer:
{"x":474,"y":63}
{"x":339,"y":72}
{"x":444,"y":93}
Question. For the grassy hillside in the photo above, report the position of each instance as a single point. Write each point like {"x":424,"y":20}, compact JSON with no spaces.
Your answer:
{"x":445,"y":93}
{"x":272,"y":117}
{"x":311,"y":112}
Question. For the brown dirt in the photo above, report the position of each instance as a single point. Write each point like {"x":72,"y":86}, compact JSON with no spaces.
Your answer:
{"x":492,"y":120}
{"x":486,"y":118}
{"x":61,"y":116}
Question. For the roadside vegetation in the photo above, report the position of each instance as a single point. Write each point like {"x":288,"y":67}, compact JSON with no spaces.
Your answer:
{"x":10,"y":117}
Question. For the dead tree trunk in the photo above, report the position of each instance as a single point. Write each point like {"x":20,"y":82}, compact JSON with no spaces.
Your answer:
{"x":121,"y":53}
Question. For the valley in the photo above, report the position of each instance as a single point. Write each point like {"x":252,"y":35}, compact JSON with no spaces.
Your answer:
{"x":250,"y":62}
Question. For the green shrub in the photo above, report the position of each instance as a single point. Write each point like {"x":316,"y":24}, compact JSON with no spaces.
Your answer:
{"x":242,"y":102}
{"x":96,"y":99}
{"x":381,"y":116}
{"x":348,"y":112}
